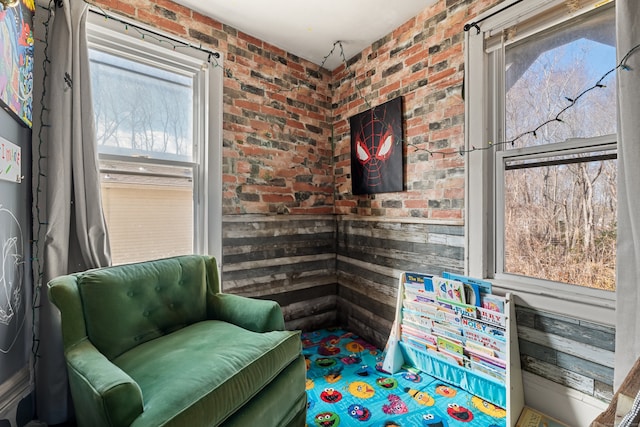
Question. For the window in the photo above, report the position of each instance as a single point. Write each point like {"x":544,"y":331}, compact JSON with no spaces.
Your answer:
{"x":157,"y":118}
{"x":547,"y":188}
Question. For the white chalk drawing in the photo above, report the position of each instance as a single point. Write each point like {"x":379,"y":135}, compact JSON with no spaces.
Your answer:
{"x":12,"y":312}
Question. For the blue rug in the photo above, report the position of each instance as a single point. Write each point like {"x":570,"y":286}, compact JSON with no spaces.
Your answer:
{"x":346,"y":387}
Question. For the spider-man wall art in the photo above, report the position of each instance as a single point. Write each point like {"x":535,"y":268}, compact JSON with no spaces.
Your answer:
{"x":376,"y":149}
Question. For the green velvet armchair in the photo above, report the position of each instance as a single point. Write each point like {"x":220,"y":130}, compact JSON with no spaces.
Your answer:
{"x":156,"y":344}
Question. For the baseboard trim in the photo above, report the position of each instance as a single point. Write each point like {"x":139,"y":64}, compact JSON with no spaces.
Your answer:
{"x":567,"y":405}
{"x":14,"y":390}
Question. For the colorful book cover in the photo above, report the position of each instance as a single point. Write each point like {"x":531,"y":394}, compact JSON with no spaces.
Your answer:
{"x":532,"y":418}
{"x":487,"y":360}
{"x":450,"y":345}
{"x":495,"y":374}
{"x":472,"y":294}
{"x":451,"y":290}
{"x":483,"y":286}
{"x":423,"y":280}
{"x":484,"y":327}
{"x":474,"y":346}
{"x":493,"y":302}
{"x":486,"y":340}
{"x":452,"y":357}
{"x":491,"y":316}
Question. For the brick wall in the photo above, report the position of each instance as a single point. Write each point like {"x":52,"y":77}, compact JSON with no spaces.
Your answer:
{"x":423,"y":62}
{"x":279,"y":111}
{"x":277,"y":114}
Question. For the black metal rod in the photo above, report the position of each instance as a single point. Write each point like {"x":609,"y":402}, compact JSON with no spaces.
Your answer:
{"x":475,"y":25}
{"x":163,"y":36}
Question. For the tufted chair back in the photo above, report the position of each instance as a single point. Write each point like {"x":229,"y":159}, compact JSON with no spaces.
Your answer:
{"x":118,"y":308}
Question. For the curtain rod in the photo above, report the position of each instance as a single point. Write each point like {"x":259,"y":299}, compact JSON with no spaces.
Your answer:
{"x":180,"y":43}
{"x":475,"y":25}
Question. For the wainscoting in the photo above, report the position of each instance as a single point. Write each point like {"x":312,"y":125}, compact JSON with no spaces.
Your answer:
{"x":343,"y":271}
{"x":289,"y":259}
{"x":371,"y":254}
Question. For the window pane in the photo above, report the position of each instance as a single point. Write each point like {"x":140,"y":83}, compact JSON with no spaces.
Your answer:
{"x":141,"y":110}
{"x":560,"y":219}
{"x":148,"y":210}
{"x":544,"y":70}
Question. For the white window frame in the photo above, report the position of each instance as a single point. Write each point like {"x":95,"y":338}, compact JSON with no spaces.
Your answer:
{"x":112,"y":36}
{"x":483,"y":123}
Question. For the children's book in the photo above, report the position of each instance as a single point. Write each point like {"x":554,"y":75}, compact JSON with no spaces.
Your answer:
{"x":451,"y":290}
{"x":493,"y":317}
{"x":492,"y":302}
{"x":532,"y":418}
{"x":417,"y":280}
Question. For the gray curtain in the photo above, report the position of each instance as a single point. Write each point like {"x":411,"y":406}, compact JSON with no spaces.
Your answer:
{"x":74,"y":236}
{"x":628,"y":252}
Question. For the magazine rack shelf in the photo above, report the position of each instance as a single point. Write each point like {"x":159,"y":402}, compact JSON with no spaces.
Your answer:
{"x":455,"y":329}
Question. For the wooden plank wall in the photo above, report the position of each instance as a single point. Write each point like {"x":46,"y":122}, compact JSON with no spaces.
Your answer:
{"x":372,"y":253}
{"x":343,"y":271}
{"x":575,"y":353}
{"x":287,"y":258}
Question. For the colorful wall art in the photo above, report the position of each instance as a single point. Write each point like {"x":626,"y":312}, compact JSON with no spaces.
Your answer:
{"x":16,"y":60}
{"x":377,"y":149}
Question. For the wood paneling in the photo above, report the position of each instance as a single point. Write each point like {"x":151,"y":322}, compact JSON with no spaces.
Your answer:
{"x":371,"y":255}
{"x":572,"y":352}
{"x":290,"y":259}
{"x":343,"y":271}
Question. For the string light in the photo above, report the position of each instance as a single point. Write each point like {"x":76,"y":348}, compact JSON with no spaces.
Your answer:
{"x":534,"y":132}
{"x":346,"y":67}
{"x":37,"y":269}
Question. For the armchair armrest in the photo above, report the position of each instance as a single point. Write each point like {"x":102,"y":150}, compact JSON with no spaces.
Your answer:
{"x":250,"y":313}
{"x":103,"y":394}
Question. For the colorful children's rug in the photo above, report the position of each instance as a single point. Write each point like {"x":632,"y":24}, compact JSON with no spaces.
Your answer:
{"x":346,"y":387}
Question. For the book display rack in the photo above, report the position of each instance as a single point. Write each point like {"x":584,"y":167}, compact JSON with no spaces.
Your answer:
{"x":455,"y":329}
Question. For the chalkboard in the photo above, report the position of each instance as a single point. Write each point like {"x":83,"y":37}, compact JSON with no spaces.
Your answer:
{"x":15,"y":250}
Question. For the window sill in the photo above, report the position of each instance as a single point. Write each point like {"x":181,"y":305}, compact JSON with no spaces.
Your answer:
{"x":592,"y":305}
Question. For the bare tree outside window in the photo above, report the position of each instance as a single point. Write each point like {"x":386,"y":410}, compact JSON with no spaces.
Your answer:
{"x":560,"y":209}
{"x":141,"y":110}
{"x":144,"y":127}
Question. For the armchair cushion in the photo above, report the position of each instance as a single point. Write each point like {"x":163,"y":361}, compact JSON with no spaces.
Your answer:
{"x":216,"y":365}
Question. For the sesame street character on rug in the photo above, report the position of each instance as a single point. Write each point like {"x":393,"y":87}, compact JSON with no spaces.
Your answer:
{"x":387,"y":383}
{"x":330,"y":395}
{"x":433,"y":420}
{"x":412,"y":376}
{"x":488,"y":408}
{"x":359,"y":412}
{"x":459,"y":413}
{"x":364,"y":371}
{"x":445,"y":391}
{"x":361,"y":390}
{"x":327,"y":419}
{"x":420,"y":397}
{"x":395,"y":406}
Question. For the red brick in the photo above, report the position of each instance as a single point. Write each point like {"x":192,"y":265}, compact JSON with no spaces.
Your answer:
{"x":246,"y":37}
{"x":446,"y":214}
{"x":161,"y":22}
{"x":206,"y":20}
{"x":174,"y":7}
{"x":277,"y":198}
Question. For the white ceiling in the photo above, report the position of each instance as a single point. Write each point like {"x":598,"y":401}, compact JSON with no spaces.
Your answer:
{"x":310,"y":29}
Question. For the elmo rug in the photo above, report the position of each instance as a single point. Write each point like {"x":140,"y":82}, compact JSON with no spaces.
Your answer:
{"x":346,"y":387}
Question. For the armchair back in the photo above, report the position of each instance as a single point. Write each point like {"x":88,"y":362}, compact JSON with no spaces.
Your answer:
{"x":121,"y":307}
